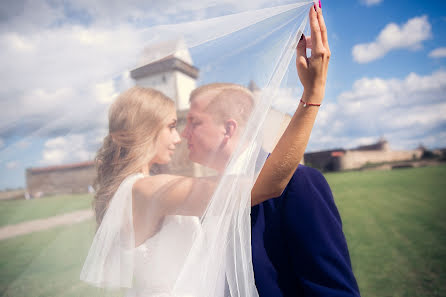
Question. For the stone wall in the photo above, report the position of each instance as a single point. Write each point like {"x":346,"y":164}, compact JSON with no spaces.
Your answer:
{"x":60,"y":179}
{"x":340,"y":159}
{"x":12,"y":194}
{"x":357,"y":159}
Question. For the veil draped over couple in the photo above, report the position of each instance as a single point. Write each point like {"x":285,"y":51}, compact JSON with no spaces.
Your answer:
{"x":163,"y":230}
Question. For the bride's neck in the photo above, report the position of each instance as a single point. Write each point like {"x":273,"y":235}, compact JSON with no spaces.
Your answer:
{"x":146,"y":169}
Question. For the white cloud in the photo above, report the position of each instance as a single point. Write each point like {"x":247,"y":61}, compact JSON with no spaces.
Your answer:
{"x":286,"y":101}
{"x":67,"y":56}
{"x":17,"y":43}
{"x":371,"y":2}
{"x":62,"y":79}
{"x":393,"y":37}
{"x":406,"y":111}
{"x":105,"y":92}
{"x":438,"y":53}
{"x":70,"y":148}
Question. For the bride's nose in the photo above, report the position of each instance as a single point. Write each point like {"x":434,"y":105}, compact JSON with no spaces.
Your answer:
{"x":176,"y":138}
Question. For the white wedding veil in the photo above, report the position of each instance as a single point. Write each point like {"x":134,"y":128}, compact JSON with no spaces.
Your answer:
{"x":205,"y":250}
{"x":205,"y":253}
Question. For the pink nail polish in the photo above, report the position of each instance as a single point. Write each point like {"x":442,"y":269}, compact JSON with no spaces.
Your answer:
{"x":314,"y":6}
{"x":320,"y":5}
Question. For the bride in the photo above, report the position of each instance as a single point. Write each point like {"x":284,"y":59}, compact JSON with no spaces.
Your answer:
{"x":151,"y":227}
{"x":154,"y":231}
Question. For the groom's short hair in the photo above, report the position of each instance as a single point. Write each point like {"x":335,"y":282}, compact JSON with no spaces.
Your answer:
{"x":229,"y":101}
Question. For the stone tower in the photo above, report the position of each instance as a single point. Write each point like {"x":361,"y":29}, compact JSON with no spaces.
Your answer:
{"x":173,"y":75}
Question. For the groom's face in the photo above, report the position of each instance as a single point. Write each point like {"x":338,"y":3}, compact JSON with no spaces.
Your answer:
{"x":203,"y":133}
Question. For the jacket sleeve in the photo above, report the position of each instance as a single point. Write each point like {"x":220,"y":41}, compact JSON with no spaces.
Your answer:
{"x":314,"y":239}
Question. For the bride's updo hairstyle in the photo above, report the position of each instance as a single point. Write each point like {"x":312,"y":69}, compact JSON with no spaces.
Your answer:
{"x":135,"y":119}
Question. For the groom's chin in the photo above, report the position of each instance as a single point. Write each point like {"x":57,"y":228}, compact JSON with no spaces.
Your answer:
{"x":196,"y":158}
{"x":192,"y":157}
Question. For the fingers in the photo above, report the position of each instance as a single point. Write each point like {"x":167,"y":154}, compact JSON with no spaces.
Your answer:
{"x":323,"y":28}
{"x":316,"y":38}
{"x":309,"y":43}
{"x":301,"y":53}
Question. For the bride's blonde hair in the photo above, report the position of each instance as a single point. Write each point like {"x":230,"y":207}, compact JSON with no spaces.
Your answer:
{"x":135,"y":119}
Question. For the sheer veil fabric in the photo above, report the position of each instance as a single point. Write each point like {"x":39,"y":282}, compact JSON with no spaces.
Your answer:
{"x":193,"y":251}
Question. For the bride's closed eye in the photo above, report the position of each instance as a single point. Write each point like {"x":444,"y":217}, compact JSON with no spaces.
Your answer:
{"x":173,"y":125}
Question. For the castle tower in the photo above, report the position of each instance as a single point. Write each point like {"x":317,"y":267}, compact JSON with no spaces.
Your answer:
{"x":173,"y":75}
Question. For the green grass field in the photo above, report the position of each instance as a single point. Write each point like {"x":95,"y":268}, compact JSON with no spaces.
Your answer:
{"x":17,"y":211}
{"x":394,"y":223}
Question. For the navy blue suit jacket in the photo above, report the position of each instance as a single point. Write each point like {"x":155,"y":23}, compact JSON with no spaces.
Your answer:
{"x":298,"y":247}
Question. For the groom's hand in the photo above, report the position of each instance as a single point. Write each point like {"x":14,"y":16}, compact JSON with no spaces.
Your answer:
{"x":312,"y":71}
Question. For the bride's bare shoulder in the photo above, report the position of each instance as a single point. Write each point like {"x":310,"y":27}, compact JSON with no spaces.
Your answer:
{"x":148,"y":186}
{"x":163,"y":192}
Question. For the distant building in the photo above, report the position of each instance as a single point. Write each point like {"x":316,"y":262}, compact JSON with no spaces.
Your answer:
{"x":440,"y":153}
{"x":174,"y":75}
{"x":343,"y":159}
{"x":62,"y":179}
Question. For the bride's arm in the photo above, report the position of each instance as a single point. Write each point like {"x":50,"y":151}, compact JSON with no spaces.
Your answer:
{"x":170,"y":194}
{"x":286,"y":156}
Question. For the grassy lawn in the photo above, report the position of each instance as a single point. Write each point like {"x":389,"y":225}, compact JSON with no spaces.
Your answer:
{"x":16,"y":211}
{"x":394,"y":223}
{"x":47,"y":263}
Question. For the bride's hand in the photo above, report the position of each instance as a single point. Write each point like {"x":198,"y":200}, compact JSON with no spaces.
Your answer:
{"x":312,"y":71}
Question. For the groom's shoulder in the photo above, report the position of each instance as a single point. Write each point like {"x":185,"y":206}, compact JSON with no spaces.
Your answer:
{"x":305,"y":175}
{"x":310,"y":183}
{"x":305,"y":170}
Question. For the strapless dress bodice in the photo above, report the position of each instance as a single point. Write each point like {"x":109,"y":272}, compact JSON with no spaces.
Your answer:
{"x":160,"y":259}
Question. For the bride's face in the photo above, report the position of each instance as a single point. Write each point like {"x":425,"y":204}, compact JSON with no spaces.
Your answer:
{"x":168,"y":138}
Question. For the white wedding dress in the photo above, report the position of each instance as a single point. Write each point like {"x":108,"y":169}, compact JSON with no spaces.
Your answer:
{"x":151,"y":269}
{"x":159,"y":260}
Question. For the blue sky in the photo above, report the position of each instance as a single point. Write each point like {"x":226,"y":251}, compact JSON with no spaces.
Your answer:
{"x":387,"y":75}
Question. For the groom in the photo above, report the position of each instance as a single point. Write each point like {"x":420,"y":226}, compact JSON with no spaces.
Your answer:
{"x":298,"y":247}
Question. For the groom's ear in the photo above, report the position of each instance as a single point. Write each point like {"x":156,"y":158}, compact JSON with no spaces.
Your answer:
{"x":230,"y":127}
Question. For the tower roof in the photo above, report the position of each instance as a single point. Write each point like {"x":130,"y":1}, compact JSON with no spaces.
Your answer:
{"x":167,"y":64}
{"x":176,"y":48}
{"x":165,"y":56}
